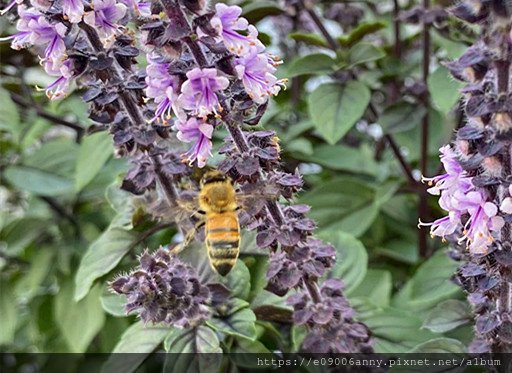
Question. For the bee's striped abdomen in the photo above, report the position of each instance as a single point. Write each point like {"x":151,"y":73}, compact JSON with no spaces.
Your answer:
{"x":223,"y":241}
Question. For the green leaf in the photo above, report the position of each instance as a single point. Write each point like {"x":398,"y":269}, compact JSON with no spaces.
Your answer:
{"x":335,"y":108}
{"x":238,"y":280}
{"x":430,"y":284}
{"x":351,"y":258}
{"x":137,"y":342}
{"x":28,"y":286}
{"x":311,"y":64}
{"x":363,"y":53}
{"x":18,"y":237}
{"x":402,"y":249}
{"x":395,"y":330}
{"x":101,"y":257}
{"x":444,"y":90}
{"x":192,"y":350}
{"x":298,"y":333}
{"x":9,"y":116}
{"x":440,"y":345}
{"x":9,"y":312}
{"x":238,"y":321}
{"x":343,"y":204}
{"x":94,"y":152}
{"x":440,"y":133}
{"x":200,"y":339}
{"x":376,"y":287}
{"x":360,"y":32}
{"x":343,"y":158}
{"x":37,"y":181}
{"x":78,"y":322}
{"x":447,"y":315}
{"x":114,"y":304}
{"x":309,"y":39}
{"x":257,"y":10}
{"x":56,"y":157}
{"x":117,"y":198}
{"x":243,"y":354}
{"x":401,"y":116}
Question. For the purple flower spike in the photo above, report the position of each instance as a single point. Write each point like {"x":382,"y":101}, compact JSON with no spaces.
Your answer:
{"x":105,"y":15}
{"x":199,"y":132}
{"x":73,"y":9}
{"x":199,"y":91}
{"x":228,"y":24}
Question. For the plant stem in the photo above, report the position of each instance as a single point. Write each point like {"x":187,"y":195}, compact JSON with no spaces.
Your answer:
{"x":423,"y":207}
{"x":333,"y":43}
{"x":48,"y":116}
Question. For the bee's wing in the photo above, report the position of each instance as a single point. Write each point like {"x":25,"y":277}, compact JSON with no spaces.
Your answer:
{"x":181,"y":212}
{"x":252,"y":197}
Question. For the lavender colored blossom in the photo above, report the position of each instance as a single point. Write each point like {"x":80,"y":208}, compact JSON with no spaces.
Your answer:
{"x":234,"y":31}
{"x":104,"y":16}
{"x":256,"y":71}
{"x":33,"y":29}
{"x":141,"y":8}
{"x":200,"y":133}
{"x":199,"y":92}
{"x":459,"y":197}
{"x":164,"y":289}
{"x":60,"y":87}
{"x":161,"y":86}
{"x":455,"y":177}
{"x":73,"y":10}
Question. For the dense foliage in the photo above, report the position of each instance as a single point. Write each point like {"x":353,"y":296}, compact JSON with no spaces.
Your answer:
{"x":148,"y":95}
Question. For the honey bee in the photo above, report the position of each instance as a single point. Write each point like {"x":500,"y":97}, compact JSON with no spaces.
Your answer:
{"x":217,"y":205}
{"x":217,"y":198}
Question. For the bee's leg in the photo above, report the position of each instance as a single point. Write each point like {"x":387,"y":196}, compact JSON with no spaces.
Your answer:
{"x":188,"y":238}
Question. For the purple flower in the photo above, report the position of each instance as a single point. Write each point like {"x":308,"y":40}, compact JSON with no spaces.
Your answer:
{"x":161,"y":86}
{"x":256,"y":72}
{"x":482,"y":222}
{"x":228,"y":24}
{"x":454,"y":179}
{"x":104,"y":16}
{"x":59,"y":88}
{"x":73,"y":9}
{"x":34,"y":29}
{"x":141,"y":8}
{"x":197,"y":131}
{"x":198,"y":93}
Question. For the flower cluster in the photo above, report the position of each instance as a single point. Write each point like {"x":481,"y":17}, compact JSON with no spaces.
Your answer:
{"x":460,"y":198}
{"x":476,"y":189}
{"x":333,"y":329}
{"x":297,"y":259}
{"x":164,"y":289}
{"x":194,"y":97}
{"x":205,"y":69}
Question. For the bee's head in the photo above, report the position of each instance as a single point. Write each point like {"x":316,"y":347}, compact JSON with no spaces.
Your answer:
{"x":214,"y":176}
